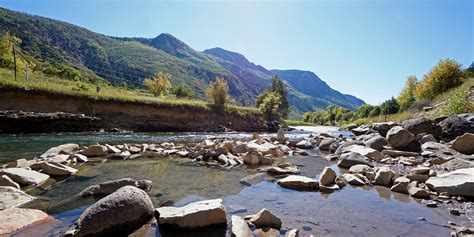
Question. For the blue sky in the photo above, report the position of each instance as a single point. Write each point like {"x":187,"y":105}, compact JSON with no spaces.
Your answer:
{"x":364,"y":48}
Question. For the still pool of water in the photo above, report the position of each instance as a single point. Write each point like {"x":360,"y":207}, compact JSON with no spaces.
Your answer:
{"x":361,"y":211}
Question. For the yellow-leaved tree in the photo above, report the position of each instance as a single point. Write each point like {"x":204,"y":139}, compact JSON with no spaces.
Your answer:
{"x":442,"y":77}
{"x":218,"y":91}
{"x":407,"y":95}
{"x":160,"y":83}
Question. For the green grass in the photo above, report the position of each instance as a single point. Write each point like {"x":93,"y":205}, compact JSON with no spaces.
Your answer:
{"x":298,"y":123}
{"x":45,"y":83}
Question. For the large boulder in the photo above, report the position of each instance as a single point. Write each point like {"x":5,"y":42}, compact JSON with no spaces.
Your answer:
{"x":61,"y":149}
{"x":347,"y":160}
{"x":109,"y":187}
{"x":14,"y":219}
{"x":264,"y":218}
{"x":24,"y":176}
{"x":327,"y":177}
{"x":240,"y":228}
{"x":95,"y":150}
{"x":299,"y":182}
{"x":121,"y":212}
{"x":399,"y":138}
{"x":422,"y":125}
{"x":383,"y":128}
{"x":464,"y":144}
{"x":458,"y":182}
{"x":376,"y":143}
{"x":454,"y":126}
{"x":194,"y":215}
{"x":11,"y":197}
{"x":54,"y":168}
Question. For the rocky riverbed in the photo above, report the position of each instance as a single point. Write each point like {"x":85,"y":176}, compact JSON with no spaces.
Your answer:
{"x":318,"y":184}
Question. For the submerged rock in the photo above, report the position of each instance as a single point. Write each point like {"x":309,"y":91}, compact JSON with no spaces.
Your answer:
{"x":194,"y":215}
{"x":14,"y":219}
{"x":109,"y":187}
{"x":240,"y":228}
{"x":458,"y":182}
{"x":24,"y":176}
{"x":13,"y":197}
{"x":120,"y":212}
{"x":299,"y":182}
{"x":264,"y":218}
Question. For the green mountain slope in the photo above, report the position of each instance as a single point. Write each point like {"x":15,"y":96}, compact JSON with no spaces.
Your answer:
{"x":127,"y":61}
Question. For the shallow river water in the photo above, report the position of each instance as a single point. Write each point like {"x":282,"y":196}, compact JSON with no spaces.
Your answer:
{"x":361,"y":211}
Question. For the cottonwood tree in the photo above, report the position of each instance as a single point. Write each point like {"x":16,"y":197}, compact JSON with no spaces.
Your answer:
{"x":218,"y":91}
{"x":160,"y":83}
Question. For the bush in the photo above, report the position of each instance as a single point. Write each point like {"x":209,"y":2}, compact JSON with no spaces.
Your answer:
{"x":218,"y":91}
{"x":80,"y":87}
{"x":270,"y":105}
{"x":445,"y":75}
{"x":458,"y":104}
{"x":160,"y":83}
{"x":182,"y":91}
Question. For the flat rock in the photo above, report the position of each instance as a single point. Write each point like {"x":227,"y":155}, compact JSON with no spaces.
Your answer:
{"x":353,"y":180}
{"x":464,"y":144}
{"x":12,"y":197}
{"x":240,"y":228}
{"x":54,"y":168}
{"x":264,"y":218}
{"x":14,"y":219}
{"x":365,"y":151}
{"x":417,"y":192}
{"x":283,"y":169}
{"x":396,"y":153}
{"x":109,"y":187}
{"x":24,"y":176}
{"x":95,"y":150}
{"x":123,"y":211}
{"x":458,"y":182}
{"x":360,"y":169}
{"x":347,"y":160}
{"x":61,"y":149}
{"x":299,"y":182}
{"x":194,"y":215}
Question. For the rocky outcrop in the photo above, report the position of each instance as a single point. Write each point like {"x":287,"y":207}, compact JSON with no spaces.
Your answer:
{"x":458,"y":182}
{"x":120,"y":212}
{"x":24,"y":176}
{"x":14,"y":219}
{"x":194,"y":215}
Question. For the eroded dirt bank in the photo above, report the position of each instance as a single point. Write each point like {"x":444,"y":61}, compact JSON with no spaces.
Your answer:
{"x":135,"y":116}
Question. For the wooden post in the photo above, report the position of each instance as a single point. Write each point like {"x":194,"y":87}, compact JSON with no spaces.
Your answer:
{"x":27,"y":73}
{"x":14,"y":60}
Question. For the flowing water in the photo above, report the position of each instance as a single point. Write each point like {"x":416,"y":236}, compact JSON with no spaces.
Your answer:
{"x":361,"y":211}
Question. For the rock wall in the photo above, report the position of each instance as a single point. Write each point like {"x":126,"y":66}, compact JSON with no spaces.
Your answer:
{"x":135,"y":116}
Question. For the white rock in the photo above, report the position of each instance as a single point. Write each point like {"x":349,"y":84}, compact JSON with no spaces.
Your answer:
{"x":240,"y":227}
{"x":24,"y":176}
{"x":458,"y":182}
{"x":61,"y":149}
{"x":299,"y":182}
{"x":12,"y":197}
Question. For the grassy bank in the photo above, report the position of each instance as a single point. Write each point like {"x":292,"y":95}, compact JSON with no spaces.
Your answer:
{"x":108,"y":92}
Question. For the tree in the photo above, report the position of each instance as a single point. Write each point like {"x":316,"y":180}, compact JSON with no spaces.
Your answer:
{"x":278,"y":86}
{"x":443,"y":76}
{"x":389,"y":107}
{"x":270,"y":103}
{"x":218,"y":91}
{"x":407,"y":95}
{"x":160,"y":83}
{"x":7,"y":43}
{"x":182,"y":91}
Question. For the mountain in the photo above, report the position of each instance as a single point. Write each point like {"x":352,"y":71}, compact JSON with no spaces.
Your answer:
{"x":127,"y":61}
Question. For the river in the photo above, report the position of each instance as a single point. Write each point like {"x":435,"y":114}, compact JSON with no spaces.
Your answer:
{"x":352,"y":211}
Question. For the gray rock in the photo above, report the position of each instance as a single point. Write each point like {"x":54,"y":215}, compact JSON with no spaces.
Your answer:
{"x":395,"y":153}
{"x":6,"y":181}
{"x":384,"y":176}
{"x":458,"y":182}
{"x":427,"y":138}
{"x":241,"y":148}
{"x":240,"y":228}
{"x":109,"y":187}
{"x":194,"y":215}
{"x":281,"y":136}
{"x":376,"y":143}
{"x":122,"y":212}
{"x":400,"y":185}
{"x":418,"y":192}
{"x":24,"y":176}
{"x":251,"y":159}
{"x":299,"y":182}
{"x":61,"y":149}
{"x":284,"y":168}
{"x":457,"y":163}
{"x":54,"y":168}
{"x":422,"y":125}
{"x":79,"y":157}
{"x":12,"y":197}
{"x":341,"y":149}
{"x":365,"y":151}
{"x":398,"y":137}
{"x":383,"y":128}
{"x":95,"y":150}
{"x":464,"y":144}
{"x":304,"y":144}
{"x":326,"y":144}
{"x":454,"y":126}
{"x":353,"y":180}
{"x":327,"y":177}
{"x":347,"y":160}
{"x":264,"y":218}
{"x":20,"y":163}
{"x":360,"y":169}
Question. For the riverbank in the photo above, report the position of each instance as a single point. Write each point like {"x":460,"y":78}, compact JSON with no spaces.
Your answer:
{"x":343,"y":175}
{"x":139,"y":116}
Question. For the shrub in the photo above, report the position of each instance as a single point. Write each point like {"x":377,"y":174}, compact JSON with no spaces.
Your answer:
{"x":270,"y":105}
{"x":160,"y":83}
{"x":445,"y":75}
{"x":458,"y":104}
{"x":182,"y":91}
{"x":389,"y":107}
{"x":218,"y":91}
{"x":80,"y":87}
